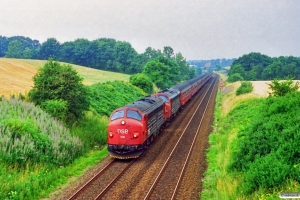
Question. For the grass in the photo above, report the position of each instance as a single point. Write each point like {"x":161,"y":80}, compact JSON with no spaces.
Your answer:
{"x":218,"y":183}
{"x":40,"y":180}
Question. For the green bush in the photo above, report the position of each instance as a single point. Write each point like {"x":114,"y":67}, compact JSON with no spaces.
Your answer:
{"x":246,"y":87}
{"x":106,"y":97}
{"x":142,"y":81}
{"x":56,"y":108}
{"x":235,"y":77}
{"x":269,"y":144}
{"x":282,"y":88}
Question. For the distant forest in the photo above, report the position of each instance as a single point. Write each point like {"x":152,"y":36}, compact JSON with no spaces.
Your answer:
{"x":213,"y":63}
{"x":257,"y":66}
{"x":104,"y":53}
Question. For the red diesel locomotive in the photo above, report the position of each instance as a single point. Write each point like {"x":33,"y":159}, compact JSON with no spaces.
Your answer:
{"x":133,"y":127}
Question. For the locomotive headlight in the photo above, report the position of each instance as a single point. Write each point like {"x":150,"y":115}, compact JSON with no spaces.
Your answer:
{"x":122,"y":122}
{"x":111,"y":134}
{"x":135,"y":135}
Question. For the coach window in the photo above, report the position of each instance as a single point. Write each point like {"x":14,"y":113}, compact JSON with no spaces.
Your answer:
{"x":134,"y":115}
{"x":164,"y":98}
{"x":118,"y":114}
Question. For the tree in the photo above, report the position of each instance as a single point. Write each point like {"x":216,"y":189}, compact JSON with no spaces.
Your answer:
{"x":142,"y":81}
{"x":50,"y":49}
{"x":282,"y":88}
{"x":62,"y":85}
{"x":15,"y":49}
{"x":185,"y":71}
{"x":124,"y":55}
{"x":159,"y":73}
{"x":168,"y":52}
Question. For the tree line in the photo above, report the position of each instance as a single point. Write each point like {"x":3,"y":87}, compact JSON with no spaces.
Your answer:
{"x":104,"y":53}
{"x":256,"y":66}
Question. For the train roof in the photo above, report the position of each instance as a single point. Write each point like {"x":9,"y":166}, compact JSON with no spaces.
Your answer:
{"x":170,"y":92}
{"x":183,"y":86}
{"x":146,"y":104}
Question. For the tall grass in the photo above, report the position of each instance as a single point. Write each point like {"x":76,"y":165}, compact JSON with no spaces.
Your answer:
{"x":39,"y":180}
{"x":29,"y":135}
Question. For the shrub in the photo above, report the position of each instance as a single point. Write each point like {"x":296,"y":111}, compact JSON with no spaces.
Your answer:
{"x":142,"y":81}
{"x":269,"y":144}
{"x":246,"y":87}
{"x":61,"y":83}
{"x":235,"y":77}
{"x":106,"y":97}
{"x":56,"y":108}
{"x":29,"y":135}
{"x":282,"y":88}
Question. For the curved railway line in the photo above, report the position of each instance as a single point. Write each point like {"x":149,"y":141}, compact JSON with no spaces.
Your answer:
{"x":172,"y":168}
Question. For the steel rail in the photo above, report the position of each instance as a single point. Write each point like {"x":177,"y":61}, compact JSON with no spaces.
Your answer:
{"x":190,"y":150}
{"x":88,"y":183}
{"x":100,"y":195}
{"x":172,"y":152}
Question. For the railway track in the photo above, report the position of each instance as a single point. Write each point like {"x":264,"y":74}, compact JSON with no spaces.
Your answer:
{"x":173,"y":169}
{"x":162,"y":172}
{"x":103,"y":180}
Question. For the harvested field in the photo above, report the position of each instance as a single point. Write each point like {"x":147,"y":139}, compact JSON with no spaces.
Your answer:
{"x":16,"y":76}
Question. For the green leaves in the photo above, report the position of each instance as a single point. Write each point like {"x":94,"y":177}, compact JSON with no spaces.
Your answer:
{"x":267,"y":149}
{"x":60,"y":83}
{"x":142,"y":81}
{"x":245,"y":87}
{"x":282,"y":88}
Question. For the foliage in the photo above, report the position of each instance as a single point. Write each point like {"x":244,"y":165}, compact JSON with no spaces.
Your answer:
{"x":266,"y":151}
{"x":282,"y":88}
{"x":62,"y":84}
{"x":56,"y":108}
{"x":245,"y":87}
{"x":142,"y":81}
{"x":38,"y":181}
{"x":92,"y":130}
{"x":164,"y":72}
{"x":15,"y":50}
{"x":255,"y":66}
{"x":103,"y":53}
{"x":235,"y":77}
{"x":30,"y":136}
{"x":49,"y":49}
{"x":106,"y":97}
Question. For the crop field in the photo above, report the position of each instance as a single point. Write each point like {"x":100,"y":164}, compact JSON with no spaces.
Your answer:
{"x":17,"y":75}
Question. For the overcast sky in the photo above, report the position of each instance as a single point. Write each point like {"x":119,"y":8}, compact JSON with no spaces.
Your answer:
{"x":199,"y":29}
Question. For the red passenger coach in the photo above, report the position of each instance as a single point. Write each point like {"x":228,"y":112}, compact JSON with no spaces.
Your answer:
{"x":190,"y":87}
{"x":134,"y":126}
{"x":172,"y":102}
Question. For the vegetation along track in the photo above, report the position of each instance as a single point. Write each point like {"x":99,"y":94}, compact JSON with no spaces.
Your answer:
{"x":137,"y":180}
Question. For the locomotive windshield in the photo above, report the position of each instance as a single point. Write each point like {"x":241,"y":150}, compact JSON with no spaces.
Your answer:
{"x":118,"y":114}
{"x":134,"y":114}
{"x":164,"y":98}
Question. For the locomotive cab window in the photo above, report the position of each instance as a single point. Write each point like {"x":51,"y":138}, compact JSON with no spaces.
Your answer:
{"x":134,"y":115}
{"x":118,"y":114}
{"x":164,"y":98}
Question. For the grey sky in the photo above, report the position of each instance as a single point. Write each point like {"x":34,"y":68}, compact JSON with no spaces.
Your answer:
{"x":199,"y":29}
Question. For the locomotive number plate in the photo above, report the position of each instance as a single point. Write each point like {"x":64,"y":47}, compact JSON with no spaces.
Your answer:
{"x":122,"y":131}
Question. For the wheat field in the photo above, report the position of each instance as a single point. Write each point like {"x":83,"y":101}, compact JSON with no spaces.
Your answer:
{"x":16,"y":75}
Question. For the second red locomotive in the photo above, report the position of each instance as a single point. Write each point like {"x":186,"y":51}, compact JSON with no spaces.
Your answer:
{"x":133,"y":127}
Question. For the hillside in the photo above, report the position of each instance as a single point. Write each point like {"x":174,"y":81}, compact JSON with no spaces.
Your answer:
{"x":17,"y":74}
